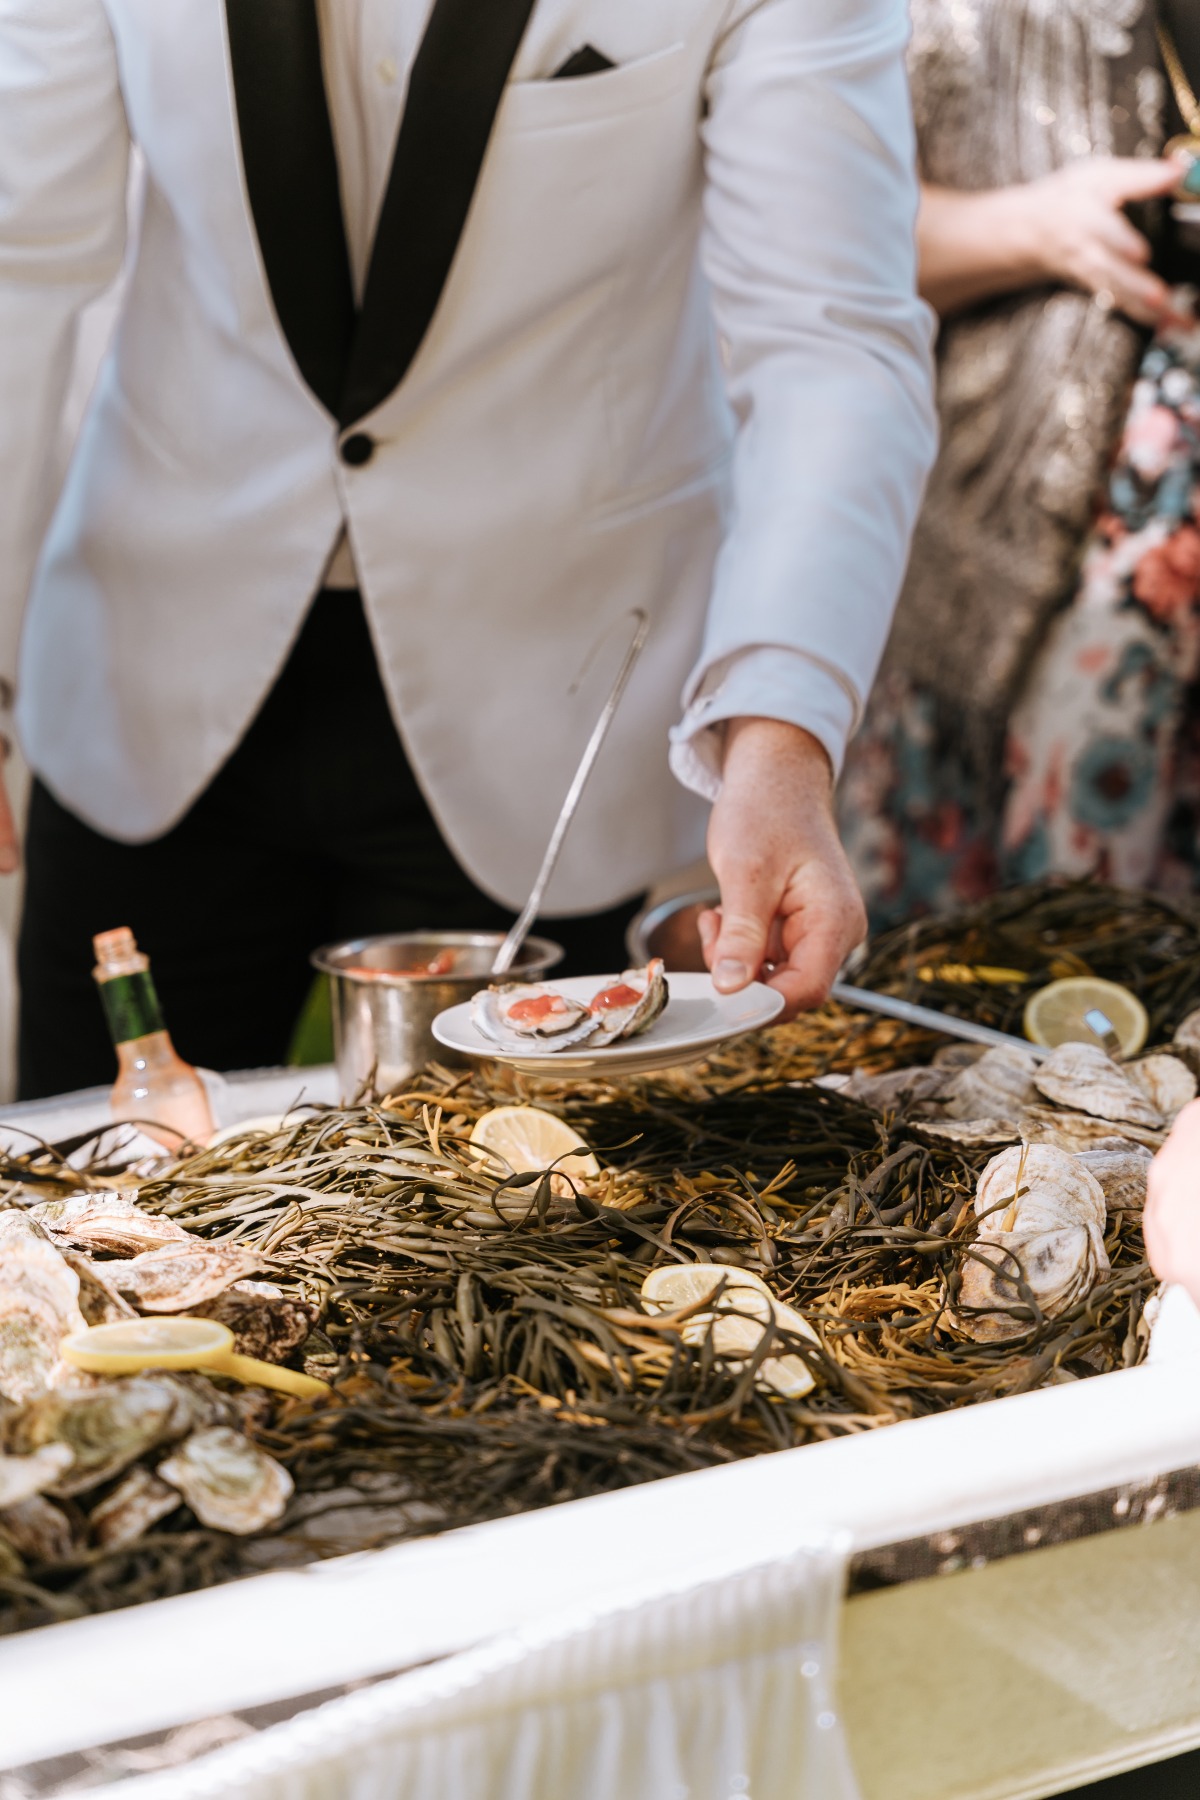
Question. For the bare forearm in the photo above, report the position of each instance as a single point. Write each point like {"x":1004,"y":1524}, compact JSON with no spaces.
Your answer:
{"x":975,"y":246}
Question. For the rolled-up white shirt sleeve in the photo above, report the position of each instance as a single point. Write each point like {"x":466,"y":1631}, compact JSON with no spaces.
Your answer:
{"x":772,"y":681}
{"x":810,"y":250}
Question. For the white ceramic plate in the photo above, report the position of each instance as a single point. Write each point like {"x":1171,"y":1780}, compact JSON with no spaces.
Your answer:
{"x":695,"y":1021}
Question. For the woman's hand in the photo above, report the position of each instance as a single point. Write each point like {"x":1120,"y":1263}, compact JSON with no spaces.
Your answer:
{"x":1067,"y":227}
{"x":1171,"y":1222}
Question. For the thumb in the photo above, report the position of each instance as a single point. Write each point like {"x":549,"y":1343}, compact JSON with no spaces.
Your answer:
{"x":748,"y":909}
{"x":1139,"y":178}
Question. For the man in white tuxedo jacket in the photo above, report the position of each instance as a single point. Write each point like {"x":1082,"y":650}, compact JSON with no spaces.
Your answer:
{"x":455,"y":332}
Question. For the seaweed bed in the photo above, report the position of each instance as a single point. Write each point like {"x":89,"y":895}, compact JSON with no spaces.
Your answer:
{"x":486,"y":1341}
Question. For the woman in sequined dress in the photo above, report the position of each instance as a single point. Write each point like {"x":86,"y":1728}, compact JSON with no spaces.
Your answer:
{"x":1039,"y":707}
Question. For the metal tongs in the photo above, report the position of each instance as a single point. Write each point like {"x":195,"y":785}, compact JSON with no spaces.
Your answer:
{"x":509,"y":949}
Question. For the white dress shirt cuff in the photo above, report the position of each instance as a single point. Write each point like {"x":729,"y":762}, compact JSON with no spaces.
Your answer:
{"x":769,"y":681}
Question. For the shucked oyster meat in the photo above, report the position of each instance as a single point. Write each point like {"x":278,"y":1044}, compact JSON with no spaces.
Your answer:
{"x":1041,"y":1225}
{"x":228,"y":1482}
{"x":39,"y":1307}
{"x":518,"y":1017}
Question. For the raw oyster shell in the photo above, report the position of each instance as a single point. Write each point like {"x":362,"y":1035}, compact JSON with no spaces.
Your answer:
{"x":970,"y":1131}
{"x":23,"y":1476}
{"x":915,"y":1089}
{"x":266,"y":1325}
{"x":178,"y":1280}
{"x":227,"y":1481}
{"x":998,"y":1085}
{"x":1041,"y":1215}
{"x":105,"y":1427}
{"x":38,"y":1530}
{"x":1080,"y":1131}
{"x":99,"y":1303}
{"x":1166,"y":1081}
{"x":543,"y":1017}
{"x":135,"y":1504}
{"x":630,"y":1006}
{"x":111,"y":1221}
{"x":1187,"y":1041}
{"x":39,"y":1307}
{"x":1086,"y":1079}
{"x":957,"y":1056}
{"x":1121,"y":1169}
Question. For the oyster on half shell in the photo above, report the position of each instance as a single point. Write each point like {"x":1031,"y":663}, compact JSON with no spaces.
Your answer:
{"x":39,"y":1307}
{"x":1041,"y":1219}
{"x":630,"y":1006}
{"x":519,"y":1014}
{"x":518,"y":1017}
{"x":229,"y":1483}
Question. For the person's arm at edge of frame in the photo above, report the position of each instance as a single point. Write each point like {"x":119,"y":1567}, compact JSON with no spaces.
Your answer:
{"x":810,"y":251}
{"x":64,"y":152}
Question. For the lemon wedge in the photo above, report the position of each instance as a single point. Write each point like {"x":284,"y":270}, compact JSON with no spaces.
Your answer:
{"x":524,"y":1139}
{"x":748,"y":1307}
{"x":1057,"y":1014}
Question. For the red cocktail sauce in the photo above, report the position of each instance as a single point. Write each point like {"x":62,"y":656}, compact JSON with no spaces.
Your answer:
{"x":615,"y":997}
{"x":534,"y":1010}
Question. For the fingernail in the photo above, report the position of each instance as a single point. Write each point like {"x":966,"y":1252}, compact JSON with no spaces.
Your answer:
{"x":731,"y":974}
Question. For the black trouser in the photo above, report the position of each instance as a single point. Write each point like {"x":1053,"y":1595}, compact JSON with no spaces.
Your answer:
{"x":314,"y":830}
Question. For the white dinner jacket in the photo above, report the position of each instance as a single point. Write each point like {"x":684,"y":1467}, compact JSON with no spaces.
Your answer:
{"x":573,"y":439}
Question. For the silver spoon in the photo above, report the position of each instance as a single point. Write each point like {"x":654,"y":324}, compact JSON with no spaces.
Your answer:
{"x":509,"y":949}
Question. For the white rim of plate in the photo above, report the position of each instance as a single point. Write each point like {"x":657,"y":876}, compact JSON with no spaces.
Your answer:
{"x":758,"y":1005}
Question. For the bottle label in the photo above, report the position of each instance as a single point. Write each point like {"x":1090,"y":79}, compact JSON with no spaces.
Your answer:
{"x":131,"y":1007}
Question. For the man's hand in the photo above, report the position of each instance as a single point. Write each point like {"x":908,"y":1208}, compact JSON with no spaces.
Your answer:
{"x":10,"y":843}
{"x":790,"y":909}
{"x":1171,"y":1222}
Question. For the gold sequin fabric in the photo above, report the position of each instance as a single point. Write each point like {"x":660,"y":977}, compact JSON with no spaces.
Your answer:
{"x":1032,"y":388}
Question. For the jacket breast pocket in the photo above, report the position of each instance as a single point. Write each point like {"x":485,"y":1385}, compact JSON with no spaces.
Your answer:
{"x":554,"y":105}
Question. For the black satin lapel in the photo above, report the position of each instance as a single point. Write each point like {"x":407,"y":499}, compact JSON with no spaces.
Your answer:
{"x":292,"y":177}
{"x":455,"y":91}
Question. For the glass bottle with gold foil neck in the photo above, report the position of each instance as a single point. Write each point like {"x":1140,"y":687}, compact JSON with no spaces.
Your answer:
{"x":155,"y":1089}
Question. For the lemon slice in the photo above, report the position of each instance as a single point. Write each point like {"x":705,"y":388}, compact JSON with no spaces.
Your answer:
{"x":677,"y":1285}
{"x":524,"y":1138}
{"x":736,"y":1335}
{"x":1056,"y":1014}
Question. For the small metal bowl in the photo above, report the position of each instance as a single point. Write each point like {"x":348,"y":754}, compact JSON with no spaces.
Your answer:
{"x":383,"y":1012}
{"x":671,"y":930}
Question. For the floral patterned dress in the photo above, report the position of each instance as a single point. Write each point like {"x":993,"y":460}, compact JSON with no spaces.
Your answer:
{"x":1102,"y":765}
